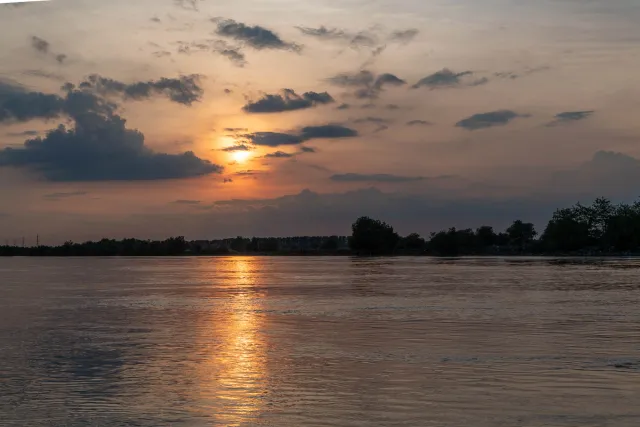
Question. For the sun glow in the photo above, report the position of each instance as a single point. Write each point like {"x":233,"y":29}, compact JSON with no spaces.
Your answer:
{"x":241,"y":156}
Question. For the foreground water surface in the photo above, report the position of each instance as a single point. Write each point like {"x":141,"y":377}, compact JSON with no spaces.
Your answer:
{"x":319,"y":342}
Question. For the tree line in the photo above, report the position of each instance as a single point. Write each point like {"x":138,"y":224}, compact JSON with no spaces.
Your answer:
{"x":602,"y":228}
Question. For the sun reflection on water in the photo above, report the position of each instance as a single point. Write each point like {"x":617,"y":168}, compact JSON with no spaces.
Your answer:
{"x":233,"y":377}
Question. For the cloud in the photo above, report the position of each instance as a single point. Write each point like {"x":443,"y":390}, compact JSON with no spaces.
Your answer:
{"x":376,"y":120}
{"x":358,"y":39}
{"x":17,"y":104}
{"x":343,"y":107}
{"x":307,"y":150}
{"x":220,"y":47}
{"x":312,"y":213}
{"x":366,"y":84}
{"x":327,"y":131}
{"x":40,"y":45}
{"x":276,"y":139}
{"x":279,"y":155}
{"x":356,"y":177}
{"x":289,"y":100}
{"x":44,"y":47}
{"x":234,"y":130}
{"x":186,"y":202}
{"x":183,"y":90}
{"x":24,"y":133}
{"x":325,"y":33}
{"x":570,"y":116}
{"x":419,"y":123}
{"x":404,"y":36}
{"x":255,"y":36}
{"x":355,"y":40}
{"x":607,"y":173}
{"x":486,"y":120}
{"x":58,"y":196}
{"x":273,"y":139}
{"x":233,"y":148}
{"x":99,"y":148}
{"x":441,"y":79}
{"x":232,"y":54}
{"x":187,"y":4}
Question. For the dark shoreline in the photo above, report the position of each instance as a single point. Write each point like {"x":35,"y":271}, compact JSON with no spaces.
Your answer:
{"x":334,"y":255}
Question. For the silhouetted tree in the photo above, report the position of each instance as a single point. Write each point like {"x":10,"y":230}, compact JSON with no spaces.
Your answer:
{"x":486,"y":237}
{"x":521,"y":233}
{"x":372,"y":237}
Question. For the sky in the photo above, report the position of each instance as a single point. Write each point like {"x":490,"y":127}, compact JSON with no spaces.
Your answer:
{"x":217,"y":118}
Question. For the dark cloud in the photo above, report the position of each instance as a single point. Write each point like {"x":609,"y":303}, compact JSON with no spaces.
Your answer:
{"x":234,"y":55}
{"x":486,"y":120}
{"x":241,"y":147}
{"x":419,"y":123}
{"x":343,"y":107}
{"x":227,"y":180}
{"x":392,"y":107}
{"x":366,"y":84}
{"x":18,"y":104}
{"x":441,"y":79}
{"x":98,"y":148}
{"x":279,"y":155}
{"x":40,"y":45}
{"x":327,"y":131}
{"x":44,"y":47}
{"x":307,"y":150}
{"x":404,"y":36}
{"x":356,"y":177}
{"x":254,"y":36}
{"x":275,"y":139}
{"x":156,"y":19}
{"x":570,"y":116}
{"x":186,"y":202}
{"x":289,"y":100}
{"x":183,"y":90}
{"x":59,"y":196}
{"x":234,"y":130}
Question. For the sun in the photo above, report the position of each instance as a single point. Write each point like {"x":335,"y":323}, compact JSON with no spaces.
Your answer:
{"x":241,"y":156}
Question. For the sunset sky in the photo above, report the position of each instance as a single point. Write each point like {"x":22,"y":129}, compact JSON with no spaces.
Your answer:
{"x":217,"y":118}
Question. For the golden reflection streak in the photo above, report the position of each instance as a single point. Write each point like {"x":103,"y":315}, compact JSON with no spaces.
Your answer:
{"x":234,"y":377}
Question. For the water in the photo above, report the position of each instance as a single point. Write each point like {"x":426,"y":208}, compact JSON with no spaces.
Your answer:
{"x":319,"y":342}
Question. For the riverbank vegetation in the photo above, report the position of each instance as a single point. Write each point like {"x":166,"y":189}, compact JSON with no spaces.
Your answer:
{"x":602,"y":228}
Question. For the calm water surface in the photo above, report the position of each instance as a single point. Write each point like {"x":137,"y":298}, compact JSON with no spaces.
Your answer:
{"x":319,"y":342}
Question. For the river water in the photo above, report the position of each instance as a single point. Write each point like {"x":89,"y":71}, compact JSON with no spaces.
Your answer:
{"x":288,"y":341}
